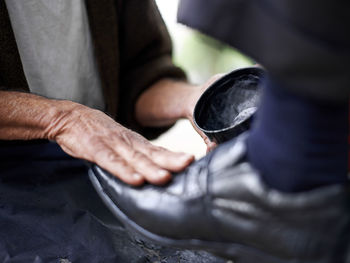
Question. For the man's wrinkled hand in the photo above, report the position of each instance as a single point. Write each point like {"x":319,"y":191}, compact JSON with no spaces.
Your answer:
{"x":92,"y":135}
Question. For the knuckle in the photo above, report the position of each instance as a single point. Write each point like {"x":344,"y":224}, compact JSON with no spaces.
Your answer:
{"x":135,"y":155}
{"x":112,"y":157}
{"x":154,"y":153}
{"x":107,"y":155}
{"x":125,"y":135}
{"x":98,"y":153}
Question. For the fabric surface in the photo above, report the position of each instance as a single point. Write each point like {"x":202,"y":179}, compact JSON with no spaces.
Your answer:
{"x":298,"y":144}
{"x":304,"y":45}
{"x":12,"y":75}
{"x":49,"y":212}
{"x":56,"y":50}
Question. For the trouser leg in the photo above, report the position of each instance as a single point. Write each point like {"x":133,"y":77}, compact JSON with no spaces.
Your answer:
{"x":298,"y":143}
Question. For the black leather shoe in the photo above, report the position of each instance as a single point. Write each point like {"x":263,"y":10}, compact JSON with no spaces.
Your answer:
{"x":220,"y":204}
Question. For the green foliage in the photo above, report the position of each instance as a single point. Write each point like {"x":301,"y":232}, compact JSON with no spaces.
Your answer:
{"x":202,"y":56}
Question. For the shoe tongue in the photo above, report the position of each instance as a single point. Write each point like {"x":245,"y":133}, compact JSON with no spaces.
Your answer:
{"x":227,"y":154}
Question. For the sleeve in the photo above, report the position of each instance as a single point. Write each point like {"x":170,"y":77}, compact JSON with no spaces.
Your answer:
{"x":145,"y":53}
{"x":306,"y":54}
{"x":11,"y":72}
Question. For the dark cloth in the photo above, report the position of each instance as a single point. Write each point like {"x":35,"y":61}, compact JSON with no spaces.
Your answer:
{"x":298,"y":144}
{"x":49,"y":212}
{"x":304,"y":45}
{"x":133,"y":50}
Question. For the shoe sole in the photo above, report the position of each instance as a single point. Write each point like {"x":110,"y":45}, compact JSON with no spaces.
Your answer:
{"x":233,"y":251}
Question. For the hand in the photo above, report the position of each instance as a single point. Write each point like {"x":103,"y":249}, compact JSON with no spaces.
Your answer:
{"x":167,"y":100}
{"x":92,"y":135}
{"x":191,"y":101}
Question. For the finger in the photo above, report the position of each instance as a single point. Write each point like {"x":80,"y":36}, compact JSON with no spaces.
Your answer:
{"x":258,"y":66}
{"x":171,"y":161}
{"x":214,"y":78}
{"x":143,"y":165}
{"x":116,"y":165}
{"x":211,"y":146}
{"x":202,"y":134}
{"x":168,"y":160}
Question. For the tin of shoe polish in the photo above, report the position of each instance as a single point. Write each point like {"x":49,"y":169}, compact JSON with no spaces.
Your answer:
{"x":226,"y":108}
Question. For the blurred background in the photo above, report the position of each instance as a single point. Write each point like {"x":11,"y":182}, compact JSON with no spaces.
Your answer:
{"x":201,"y":57}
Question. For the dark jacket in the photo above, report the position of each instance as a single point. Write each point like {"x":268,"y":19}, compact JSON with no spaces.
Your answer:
{"x":133,"y":50}
{"x":304,"y":44}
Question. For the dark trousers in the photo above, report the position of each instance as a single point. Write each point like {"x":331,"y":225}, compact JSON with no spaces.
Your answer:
{"x":49,"y":212}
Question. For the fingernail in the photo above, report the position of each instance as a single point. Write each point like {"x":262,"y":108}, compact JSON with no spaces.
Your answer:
{"x":162,"y":173}
{"x":136,"y":176}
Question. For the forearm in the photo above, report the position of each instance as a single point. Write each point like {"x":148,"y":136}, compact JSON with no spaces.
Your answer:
{"x":26,"y":116}
{"x":165,"y":102}
{"x":87,"y":134}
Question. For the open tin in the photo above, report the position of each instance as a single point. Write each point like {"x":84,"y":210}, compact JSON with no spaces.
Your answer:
{"x":227,"y":107}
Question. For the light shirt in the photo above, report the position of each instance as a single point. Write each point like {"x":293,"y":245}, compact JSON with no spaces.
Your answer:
{"x":55,"y":46}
